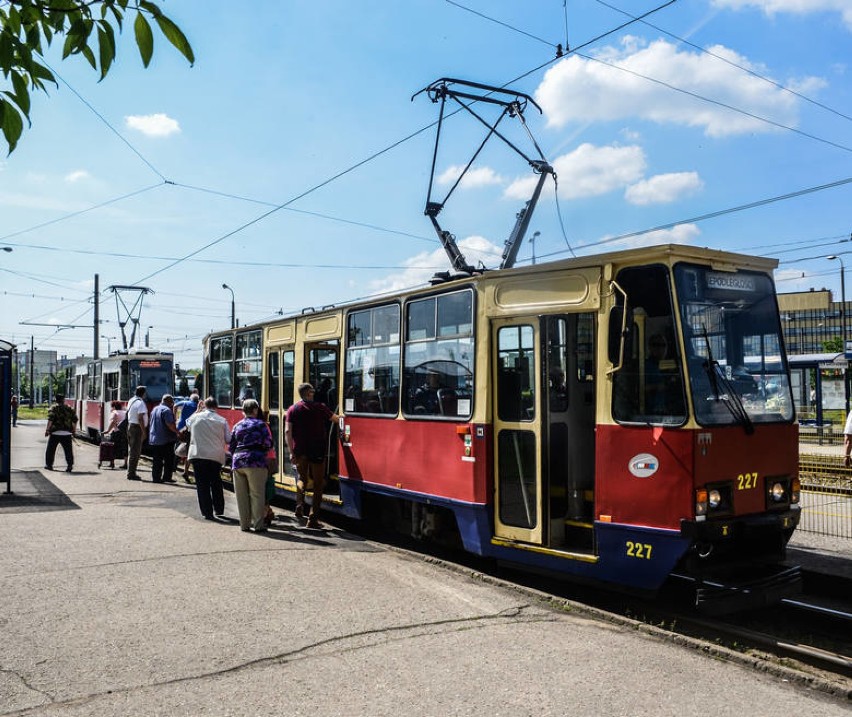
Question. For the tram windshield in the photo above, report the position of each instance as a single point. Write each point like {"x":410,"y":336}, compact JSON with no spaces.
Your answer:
{"x":734,"y":352}
{"x":154,"y":374}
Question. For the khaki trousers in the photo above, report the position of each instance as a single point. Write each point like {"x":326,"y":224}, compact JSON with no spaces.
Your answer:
{"x":250,"y":489}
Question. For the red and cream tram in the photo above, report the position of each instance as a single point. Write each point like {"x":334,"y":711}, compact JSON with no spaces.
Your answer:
{"x":615,"y":417}
{"x":93,"y":384}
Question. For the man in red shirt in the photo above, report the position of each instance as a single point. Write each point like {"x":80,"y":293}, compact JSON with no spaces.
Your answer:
{"x":307,"y":434}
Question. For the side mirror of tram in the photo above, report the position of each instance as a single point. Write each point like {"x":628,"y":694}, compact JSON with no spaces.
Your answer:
{"x":619,"y":331}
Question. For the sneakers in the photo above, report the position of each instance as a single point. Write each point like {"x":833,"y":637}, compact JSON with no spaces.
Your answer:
{"x":314,"y":523}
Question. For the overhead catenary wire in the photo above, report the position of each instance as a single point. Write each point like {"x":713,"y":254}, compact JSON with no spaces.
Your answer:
{"x":711,"y":215}
{"x":730,"y":62}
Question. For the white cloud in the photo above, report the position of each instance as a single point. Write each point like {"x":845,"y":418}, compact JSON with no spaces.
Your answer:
{"x":420,"y":268}
{"x":475,"y":177}
{"x":680,"y":234}
{"x":588,"y":171}
{"x":663,"y":188}
{"x":578,"y":90}
{"x":787,"y":280}
{"x":798,"y":7}
{"x":156,"y":125}
{"x":77,"y":175}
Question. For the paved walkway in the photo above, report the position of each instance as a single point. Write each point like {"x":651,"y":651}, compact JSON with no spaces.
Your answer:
{"x":119,"y":599}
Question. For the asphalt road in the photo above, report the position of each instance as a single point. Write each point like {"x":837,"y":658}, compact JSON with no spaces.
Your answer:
{"x":116,"y":598}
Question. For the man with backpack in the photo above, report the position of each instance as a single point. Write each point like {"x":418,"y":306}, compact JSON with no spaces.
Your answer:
{"x":61,"y":420}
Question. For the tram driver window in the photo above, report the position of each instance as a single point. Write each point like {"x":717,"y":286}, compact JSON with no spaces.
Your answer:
{"x":648,"y":388}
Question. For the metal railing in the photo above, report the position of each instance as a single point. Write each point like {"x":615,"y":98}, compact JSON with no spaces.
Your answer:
{"x":826,"y":496}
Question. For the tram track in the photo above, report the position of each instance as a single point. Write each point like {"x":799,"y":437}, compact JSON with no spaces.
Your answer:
{"x":808,"y":635}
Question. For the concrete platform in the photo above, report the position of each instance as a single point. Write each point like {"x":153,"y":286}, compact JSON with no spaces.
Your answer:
{"x":117,"y":598}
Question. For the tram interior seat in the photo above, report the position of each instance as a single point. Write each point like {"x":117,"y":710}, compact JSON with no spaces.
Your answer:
{"x":448,"y":401}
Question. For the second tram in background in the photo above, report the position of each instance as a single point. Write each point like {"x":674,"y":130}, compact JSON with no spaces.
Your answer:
{"x":615,"y":418}
{"x":93,"y":384}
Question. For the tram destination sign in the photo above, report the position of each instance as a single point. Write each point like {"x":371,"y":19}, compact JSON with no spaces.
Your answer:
{"x":731,"y":282}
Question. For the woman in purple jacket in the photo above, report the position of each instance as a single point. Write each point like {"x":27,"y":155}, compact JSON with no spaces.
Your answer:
{"x":250,"y":442}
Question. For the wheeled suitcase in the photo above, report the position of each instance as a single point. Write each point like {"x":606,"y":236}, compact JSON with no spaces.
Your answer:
{"x":106,"y":453}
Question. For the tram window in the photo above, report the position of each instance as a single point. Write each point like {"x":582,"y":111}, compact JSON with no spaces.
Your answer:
{"x":221,"y":370}
{"x":220,"y":383}
{"x":273,"y":380}
{"x":649,"y":387}
{"x":517,"y":489}
{"x":371,"y":378}
{"x":247,"y":365}
{"x":222,"y":349}
{"x":439,"y":355}
{"x":585,"y":343}
{"x":111,"y":387}
{"x":322,"y":375}
{"x":515,"y":373}
{"x":288,"y":378}
{"x":557,"y":364}
{"x":94,"y":381}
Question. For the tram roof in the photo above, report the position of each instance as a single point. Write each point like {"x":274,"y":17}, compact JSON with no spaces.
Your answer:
{"x":668,"y":254}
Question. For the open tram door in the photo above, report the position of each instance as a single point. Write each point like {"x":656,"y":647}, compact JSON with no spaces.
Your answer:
{"x":544,"y":429}
{"x":322,"y":371}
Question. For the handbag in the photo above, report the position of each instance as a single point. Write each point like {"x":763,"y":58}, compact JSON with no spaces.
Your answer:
{"x":272,"y":465}
{"x":181,"y":450}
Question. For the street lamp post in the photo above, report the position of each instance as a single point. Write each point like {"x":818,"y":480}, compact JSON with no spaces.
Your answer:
{"x":843,"y":324}
{"x":109,"y":345}
{"x":233,"y":306}
{"x":535,"y":236}
{"x":148,"y":337}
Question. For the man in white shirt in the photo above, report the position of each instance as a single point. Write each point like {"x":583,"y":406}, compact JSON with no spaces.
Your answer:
{"x":137,"y":427}
{"x":208,"y":435}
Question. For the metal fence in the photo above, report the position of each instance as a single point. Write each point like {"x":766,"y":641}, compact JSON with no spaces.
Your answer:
{"x":826,"y":497}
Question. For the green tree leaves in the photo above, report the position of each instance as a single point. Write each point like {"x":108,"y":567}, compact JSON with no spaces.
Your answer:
{"x":27,"y":27}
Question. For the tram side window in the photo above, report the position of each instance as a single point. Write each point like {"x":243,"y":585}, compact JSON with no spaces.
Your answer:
{"x":111,"y":386}
{"x":371,"y":380}
{"x":248,"y":365}
{"x":94,"y":381}
{"x":439,"y":356}
{"x":649,"y":388}
{"x":220,"y":370}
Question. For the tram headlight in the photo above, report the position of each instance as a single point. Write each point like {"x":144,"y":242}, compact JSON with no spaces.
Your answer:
{"x":778,"y":492}
{"x":714,"y":498}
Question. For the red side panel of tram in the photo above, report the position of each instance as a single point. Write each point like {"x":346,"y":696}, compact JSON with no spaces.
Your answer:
{"x":427,"y":457}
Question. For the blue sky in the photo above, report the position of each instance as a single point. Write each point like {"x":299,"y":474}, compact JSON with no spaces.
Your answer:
{"x":290,"y":162}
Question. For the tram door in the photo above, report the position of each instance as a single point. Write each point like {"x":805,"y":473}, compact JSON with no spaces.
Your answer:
{"x":544,"y":423}
{"x":519,"y":505}
{"x":322,"y":372}
{"x":280,"y":386}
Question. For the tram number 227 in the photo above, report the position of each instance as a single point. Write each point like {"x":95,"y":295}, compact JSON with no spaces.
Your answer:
{"x":746,"y":481}
{"x":638,"y":550}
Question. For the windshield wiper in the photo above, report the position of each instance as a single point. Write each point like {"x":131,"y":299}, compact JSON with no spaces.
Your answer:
{"x":731,"y":397}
